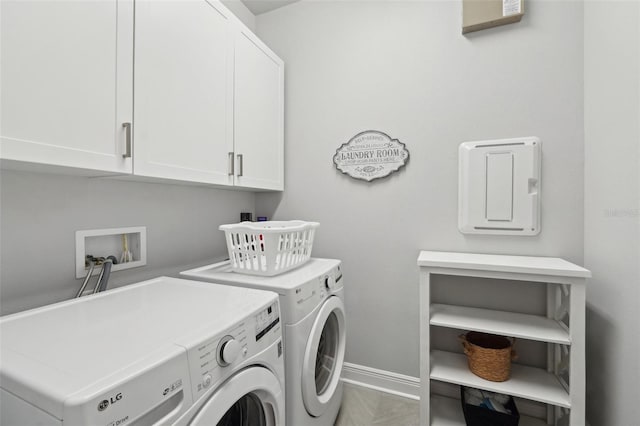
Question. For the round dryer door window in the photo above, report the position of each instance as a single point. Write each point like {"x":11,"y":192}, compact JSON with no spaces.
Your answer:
{"x":252,"y":397}
{"x":324,"y":357}
{"x":247,"y":411}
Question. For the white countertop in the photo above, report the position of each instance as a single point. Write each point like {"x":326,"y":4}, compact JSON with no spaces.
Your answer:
{"x":552,"y":266}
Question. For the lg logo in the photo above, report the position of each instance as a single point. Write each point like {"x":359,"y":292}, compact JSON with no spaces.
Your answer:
{"x":104,"y":404}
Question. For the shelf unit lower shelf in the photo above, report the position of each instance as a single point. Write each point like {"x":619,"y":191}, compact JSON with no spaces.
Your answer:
{"x":525,"y":382}
{"x":448,"y":412}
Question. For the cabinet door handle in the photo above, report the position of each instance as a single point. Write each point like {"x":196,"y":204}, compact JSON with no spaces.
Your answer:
{"x":230,"y":166}
{"x":127,"y":149}
{"x":240,"y":165}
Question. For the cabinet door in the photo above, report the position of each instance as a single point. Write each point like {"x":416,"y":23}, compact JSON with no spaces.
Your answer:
{"x":258,"y":115}
{"x":182,"y":103}
{"x":67,"y":74}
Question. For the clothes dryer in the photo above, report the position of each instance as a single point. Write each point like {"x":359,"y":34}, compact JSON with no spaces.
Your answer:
{"x":165,"y":351}
{"x":312,"y":303}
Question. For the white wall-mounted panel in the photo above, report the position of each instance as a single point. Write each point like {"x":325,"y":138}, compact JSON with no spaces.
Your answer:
{"x":499,"y":187}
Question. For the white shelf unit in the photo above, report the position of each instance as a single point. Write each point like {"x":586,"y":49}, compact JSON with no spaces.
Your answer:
{"x":561,"y":385}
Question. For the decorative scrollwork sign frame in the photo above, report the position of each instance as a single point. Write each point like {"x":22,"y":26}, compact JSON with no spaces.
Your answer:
{"x":371,"y":155}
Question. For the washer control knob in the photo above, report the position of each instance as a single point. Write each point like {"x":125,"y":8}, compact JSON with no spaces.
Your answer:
{"x":230,"y":351}
{"x":329,"y":282}
{"x":206,"y":380}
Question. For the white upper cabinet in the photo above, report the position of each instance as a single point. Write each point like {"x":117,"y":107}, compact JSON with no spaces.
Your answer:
{"x":67,"y":83}
{"x":196,"y":97}
{"x":258,"y":114}
{"x":183,"y":91}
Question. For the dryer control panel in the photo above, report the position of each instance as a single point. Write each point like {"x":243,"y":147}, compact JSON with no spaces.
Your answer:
{"x":214,"y":360}
{"x":310,"y":294}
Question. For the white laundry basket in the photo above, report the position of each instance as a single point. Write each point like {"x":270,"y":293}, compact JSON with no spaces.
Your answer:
{"x":269,"y":248}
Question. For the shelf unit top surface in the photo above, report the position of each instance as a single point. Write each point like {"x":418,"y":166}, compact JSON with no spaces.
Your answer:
{"x":552,"y":266}
{"x":448,"y":412}
{"x":531,"y":327}
{"x":525,"y":382}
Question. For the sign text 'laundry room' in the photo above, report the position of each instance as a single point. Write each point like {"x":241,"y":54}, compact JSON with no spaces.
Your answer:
{"x":371,"y":155}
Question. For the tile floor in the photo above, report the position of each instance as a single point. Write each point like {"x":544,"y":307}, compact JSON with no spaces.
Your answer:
{"x":367,"y":407}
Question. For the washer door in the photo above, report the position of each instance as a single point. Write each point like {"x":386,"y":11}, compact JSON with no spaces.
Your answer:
{"x":324,"y":356}
{"x":252,"y":397}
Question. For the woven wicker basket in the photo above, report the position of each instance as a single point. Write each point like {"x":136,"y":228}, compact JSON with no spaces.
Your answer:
{"x":489,"y":356}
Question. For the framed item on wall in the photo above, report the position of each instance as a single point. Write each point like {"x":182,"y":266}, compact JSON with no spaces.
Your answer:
{"x":371,"y":155}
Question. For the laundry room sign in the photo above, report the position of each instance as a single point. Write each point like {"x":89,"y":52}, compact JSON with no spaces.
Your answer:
{"x":371,"y":155}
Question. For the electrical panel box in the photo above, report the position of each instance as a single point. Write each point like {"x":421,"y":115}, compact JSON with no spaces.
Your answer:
{"x":482,"y":14}
{"x":499,"y":187}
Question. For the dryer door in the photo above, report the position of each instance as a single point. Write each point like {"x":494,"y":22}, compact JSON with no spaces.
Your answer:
{"x":324,"y":357}
{"x":252,"y":397}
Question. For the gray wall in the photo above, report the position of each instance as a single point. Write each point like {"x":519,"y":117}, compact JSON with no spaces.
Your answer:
{"x":612,"y":210}
{"x":39,"y":214}
{"x":404,"y":68}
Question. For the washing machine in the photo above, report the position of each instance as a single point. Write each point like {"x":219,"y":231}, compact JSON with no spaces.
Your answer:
{"x":165,"y":351}
{"x":312,"y":303}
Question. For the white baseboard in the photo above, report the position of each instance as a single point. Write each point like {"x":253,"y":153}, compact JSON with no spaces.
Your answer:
{"x":381,"y":380}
